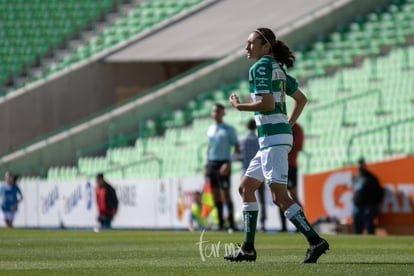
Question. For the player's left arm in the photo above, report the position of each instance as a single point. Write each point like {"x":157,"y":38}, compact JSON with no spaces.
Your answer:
{"x":299,"y":103}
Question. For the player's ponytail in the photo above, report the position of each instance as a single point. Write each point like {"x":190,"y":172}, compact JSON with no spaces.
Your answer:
{"x":283,"y":54}
{"x":279,"y":50}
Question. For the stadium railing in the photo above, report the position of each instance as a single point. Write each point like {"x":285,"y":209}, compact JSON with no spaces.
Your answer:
{"x":344,"y":106}
{"x":389,"y":138}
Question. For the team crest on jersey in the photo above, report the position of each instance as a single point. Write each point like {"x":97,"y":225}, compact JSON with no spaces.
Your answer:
{"x":261,"y":70}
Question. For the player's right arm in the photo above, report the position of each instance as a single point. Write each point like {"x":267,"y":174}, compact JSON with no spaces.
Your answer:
{"x":265,"y":102}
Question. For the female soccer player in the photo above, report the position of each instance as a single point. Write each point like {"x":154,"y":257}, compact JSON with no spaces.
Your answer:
{"x":269,"y":85}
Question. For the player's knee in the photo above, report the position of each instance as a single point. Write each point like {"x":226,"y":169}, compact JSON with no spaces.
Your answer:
{"x":246,"y":190}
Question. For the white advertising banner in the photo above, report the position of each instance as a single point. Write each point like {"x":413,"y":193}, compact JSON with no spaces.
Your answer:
{"x":136,"y":203}
{"x":155,"y":203}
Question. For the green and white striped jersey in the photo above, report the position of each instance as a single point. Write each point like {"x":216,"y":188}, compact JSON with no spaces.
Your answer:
{"x":266,"y":76}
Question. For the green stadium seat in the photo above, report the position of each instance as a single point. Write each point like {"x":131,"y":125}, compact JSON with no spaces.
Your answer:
{"x":176,"y":120}
{"x":204,"y":108}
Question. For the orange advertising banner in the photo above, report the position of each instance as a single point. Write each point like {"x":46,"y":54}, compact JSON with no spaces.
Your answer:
{"x":329,"y":194}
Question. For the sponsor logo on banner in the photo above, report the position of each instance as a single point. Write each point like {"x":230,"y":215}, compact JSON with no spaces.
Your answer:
{"x":337,"y":194}
{"x":180,"y":202}
{"x":184,"y":200}
{"x":88,"y":195}
{"x":162,"y":199}
{"x":72,"y":200}
{"x":50,"y":200}
{"x":399,"y":198}
{"x":126,"y":194}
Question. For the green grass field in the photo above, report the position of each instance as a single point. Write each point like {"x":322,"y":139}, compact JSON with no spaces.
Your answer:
{"x":138,"y":252}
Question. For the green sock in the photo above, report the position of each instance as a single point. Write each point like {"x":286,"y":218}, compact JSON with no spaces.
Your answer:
{"x":250,"y":212}
{"x":295,"y":214}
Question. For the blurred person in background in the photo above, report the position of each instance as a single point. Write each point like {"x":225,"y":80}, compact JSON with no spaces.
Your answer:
{"x":11,"y":196}
{"x":196,"y":220}
{"x":221,"y":138}
{"x":367,"y":195}
{"x":107,"y":202}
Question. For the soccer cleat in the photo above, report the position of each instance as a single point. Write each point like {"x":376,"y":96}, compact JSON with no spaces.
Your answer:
{"x":240,"y":255}
{"x":315,"y":251}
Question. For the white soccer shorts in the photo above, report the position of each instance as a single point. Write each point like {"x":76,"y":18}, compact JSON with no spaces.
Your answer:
{"x":270,"y":165}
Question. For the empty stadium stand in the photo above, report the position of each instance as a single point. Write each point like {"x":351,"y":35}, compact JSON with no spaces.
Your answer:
{"x":32,"y":31}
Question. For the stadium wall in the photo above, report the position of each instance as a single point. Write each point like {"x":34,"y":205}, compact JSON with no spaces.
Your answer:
{"x":54,"y":103}
{"x":132,"y":78}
